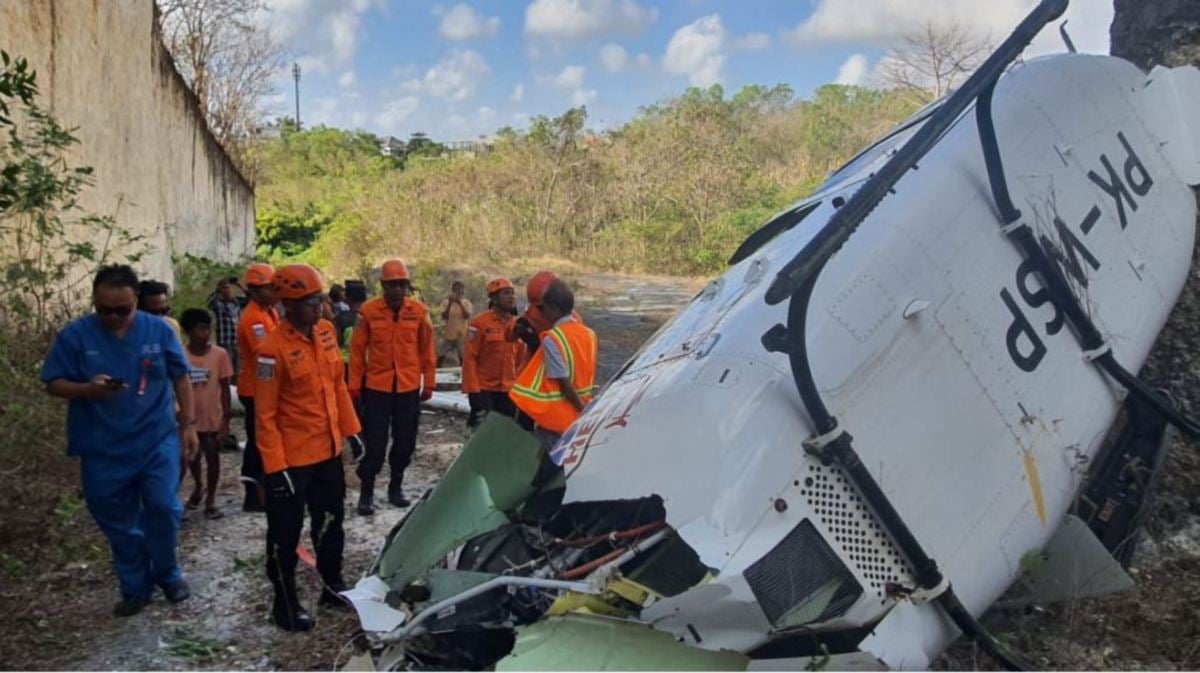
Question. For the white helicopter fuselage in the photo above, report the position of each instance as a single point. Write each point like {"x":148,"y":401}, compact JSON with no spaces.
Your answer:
{"x":933,"y":343}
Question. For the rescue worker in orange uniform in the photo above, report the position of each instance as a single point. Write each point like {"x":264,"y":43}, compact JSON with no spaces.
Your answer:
{"x":258,"y":319}
{"x":392,"y":370}
{"x":303,"y":411}
{"x":490,"y":362}
{"x":559,"y":379}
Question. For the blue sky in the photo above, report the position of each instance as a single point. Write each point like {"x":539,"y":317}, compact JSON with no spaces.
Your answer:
{"x":458,"y":70}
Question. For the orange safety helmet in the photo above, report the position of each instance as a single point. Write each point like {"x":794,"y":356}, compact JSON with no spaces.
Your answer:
{"x":497,"y":284}
{"x":296,"y":281}
{"x":393,"y":269}
{"x":258,"y":274}
{"x":536,"y":287}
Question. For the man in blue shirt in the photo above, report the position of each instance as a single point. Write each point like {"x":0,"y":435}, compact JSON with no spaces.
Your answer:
{"x":122,"y":370}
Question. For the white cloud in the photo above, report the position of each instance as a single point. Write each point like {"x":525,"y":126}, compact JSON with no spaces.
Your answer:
{"x":518,"y":93}
{"x":457,"y":126}
{"x":358,"y":120}
{"x":583,"y":19}
{"x":613,"y":57}
{"x":698,"y":51}
{"x":882,"y":22}
{"x":853,"y":71}
{"x":395,"y":112}
{"x":583,"y":97}
{"x":323,"y":33}
{"x":643,"y":60}
{"x":486,"y":116}
{"x":461,"y":22}
{"x":1087,"y":24}
{"x":571,"y":77}
{"x":752,"y":42}
{"x":348,"y":80}
{"x":275,"y":103}
{"x":455,"y":77}
{"x":323,"y":111}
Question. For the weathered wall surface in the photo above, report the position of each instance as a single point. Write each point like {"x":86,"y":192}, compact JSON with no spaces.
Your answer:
{"x":102,"y":68}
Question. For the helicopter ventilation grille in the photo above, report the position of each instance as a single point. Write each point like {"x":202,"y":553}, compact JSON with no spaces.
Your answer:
{"x":802,"y":581}
{"x":848,"y":518}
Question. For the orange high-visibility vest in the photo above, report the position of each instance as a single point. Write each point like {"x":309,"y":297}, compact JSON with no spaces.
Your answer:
{"x":539,"y":397}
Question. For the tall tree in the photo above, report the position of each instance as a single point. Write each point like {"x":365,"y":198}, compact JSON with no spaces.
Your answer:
{"x":229,"y":58}
{"x":931,"y":61}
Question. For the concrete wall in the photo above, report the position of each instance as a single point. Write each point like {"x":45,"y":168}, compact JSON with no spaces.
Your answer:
{"x":102,"y":68}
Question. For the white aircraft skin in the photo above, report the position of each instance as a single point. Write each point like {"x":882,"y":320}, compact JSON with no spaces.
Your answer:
{"x":934,"y":346}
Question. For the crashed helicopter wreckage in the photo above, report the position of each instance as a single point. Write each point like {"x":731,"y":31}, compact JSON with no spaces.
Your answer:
{"x":1016,"y":249}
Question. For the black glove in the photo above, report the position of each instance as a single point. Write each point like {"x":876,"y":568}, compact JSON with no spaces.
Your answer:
{"x":279,"y":486}
{"x":526,"y":333}
{"x":475,"y":400}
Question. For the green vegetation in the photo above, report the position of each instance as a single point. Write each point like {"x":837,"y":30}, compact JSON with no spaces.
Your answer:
{"x":675,"y":190}
{"x":196,"y":278}
{"x":195,"y":650}
{"x":311,"y":180}
{"x":49,"y":249}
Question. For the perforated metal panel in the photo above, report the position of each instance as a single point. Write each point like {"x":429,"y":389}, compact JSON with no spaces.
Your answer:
{"x":855,"y":530}
{"x":801,"y":580}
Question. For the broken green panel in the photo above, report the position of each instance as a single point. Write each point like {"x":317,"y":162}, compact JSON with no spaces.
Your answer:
{"x":491,"y":477}
{"x":591,"y":643}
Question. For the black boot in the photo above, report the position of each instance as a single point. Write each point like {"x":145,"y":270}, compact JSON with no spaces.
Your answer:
{"x":287,"y":613}
{"x":366,"y":497}
{"x":396,"y":493}
{"x":330,"y":597}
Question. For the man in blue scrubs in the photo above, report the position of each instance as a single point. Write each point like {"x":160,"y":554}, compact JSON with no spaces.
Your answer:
{"x":122,"y":371}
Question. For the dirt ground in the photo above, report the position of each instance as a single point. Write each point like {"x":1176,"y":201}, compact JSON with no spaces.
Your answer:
{"x":59,"y":617}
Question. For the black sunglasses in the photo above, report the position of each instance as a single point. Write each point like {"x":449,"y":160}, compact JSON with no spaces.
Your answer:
{"x":119,"y":311}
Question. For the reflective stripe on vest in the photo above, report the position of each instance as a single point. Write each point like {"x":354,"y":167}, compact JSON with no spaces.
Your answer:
{"x":542,"y":399}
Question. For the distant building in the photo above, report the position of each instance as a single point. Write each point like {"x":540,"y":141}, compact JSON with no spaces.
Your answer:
{"x":391,"y":147}
{"x":470,"y":147}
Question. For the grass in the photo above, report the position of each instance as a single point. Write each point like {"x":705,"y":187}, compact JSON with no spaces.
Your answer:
{"x":196,"y":650}
{"x":252,"y":565}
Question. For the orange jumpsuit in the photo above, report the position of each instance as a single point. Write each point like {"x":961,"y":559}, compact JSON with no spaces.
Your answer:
{"x":391,"y":360}
{"x":490,"y":364}
{"x":303,"y":412}
{"x":302,"y":406}
{"x":393,"y":349}
{"x":256,"y":323}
